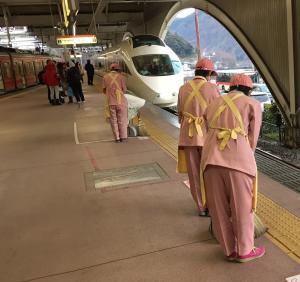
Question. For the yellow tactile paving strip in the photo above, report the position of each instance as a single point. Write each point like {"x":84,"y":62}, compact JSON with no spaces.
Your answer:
{"x":284,"y":227}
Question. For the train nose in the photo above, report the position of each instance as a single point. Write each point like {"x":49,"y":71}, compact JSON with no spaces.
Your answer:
{"x":165,"y":98}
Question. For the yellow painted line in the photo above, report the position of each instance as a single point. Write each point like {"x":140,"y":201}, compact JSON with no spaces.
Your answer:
{"x":283,"y":226}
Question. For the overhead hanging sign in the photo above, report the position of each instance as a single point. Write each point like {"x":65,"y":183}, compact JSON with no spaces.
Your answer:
{"x":77,"y":39}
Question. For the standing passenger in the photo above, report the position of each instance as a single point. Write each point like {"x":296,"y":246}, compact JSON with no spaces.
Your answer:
{"x":114,"y":87}
{"x":74,"y":81}
{"x":193,"y":98}
{"x":90,"y":72}
{"x":51,"y":79}
{"x":229,"y":169}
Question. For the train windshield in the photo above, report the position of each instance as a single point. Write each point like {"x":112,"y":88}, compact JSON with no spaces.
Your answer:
{"x":176,"y":66}
{"x":153,"y":65}
{"x":261,"y":98}
{"x":144,"y":40}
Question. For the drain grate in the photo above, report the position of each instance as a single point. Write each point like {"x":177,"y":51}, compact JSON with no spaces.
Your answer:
{"x":279,"y":171}
{"x":117,"y":178}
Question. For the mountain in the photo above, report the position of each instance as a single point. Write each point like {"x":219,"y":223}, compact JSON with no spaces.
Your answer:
{"x":179,"y":45}
{"x":215,"y":40}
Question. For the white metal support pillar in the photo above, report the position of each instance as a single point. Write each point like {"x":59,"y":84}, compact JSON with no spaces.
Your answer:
{"x":7,"y":26}
{"x":292,"y":134}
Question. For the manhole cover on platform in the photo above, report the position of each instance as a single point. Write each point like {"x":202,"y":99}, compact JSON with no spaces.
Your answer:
{"x":123,"y":177}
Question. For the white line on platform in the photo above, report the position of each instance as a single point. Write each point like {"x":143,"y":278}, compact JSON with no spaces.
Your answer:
{"x":77,"y":142}
{"x":76,"y":134}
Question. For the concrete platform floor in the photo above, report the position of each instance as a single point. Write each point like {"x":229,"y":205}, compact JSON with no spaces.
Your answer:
{"x":52,"y":229}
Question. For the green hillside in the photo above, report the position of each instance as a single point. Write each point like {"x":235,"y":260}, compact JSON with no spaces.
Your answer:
{"x":179,"y":45}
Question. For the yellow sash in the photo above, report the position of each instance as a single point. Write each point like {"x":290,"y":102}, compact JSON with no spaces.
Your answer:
{"x":118,"y":92}
{"x":195,"y":123}
{"x":106,"y":109}
{"x":195,"y":93}
{"x":225,"y":135}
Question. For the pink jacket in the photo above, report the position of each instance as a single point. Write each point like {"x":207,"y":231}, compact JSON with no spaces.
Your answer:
{"x":209,"y":93}
{"x":112,"y":82}
{"x":239,"y":153}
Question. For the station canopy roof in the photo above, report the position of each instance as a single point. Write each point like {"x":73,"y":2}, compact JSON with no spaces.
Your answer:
{"x":45,"y":18}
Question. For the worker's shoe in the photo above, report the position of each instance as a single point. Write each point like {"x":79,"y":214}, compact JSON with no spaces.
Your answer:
{"x":204,"y":213}
{"x":233,"y":256}
{"x":257,"y":252}
{"x":117,"y":140}
{"x":123,"y":139}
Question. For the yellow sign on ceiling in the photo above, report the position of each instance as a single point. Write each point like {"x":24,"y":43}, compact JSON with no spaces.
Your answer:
{"x":77,"y":39}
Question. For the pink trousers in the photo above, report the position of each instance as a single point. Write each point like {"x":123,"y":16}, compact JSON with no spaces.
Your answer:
{"x":119,"y":121}
{"x":193,"y":159}
{"x":229,"y":198}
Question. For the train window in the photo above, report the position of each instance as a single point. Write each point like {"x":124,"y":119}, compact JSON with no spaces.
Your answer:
{"x":176,"y":66}
{"x":153,"y":65}
{"x":29,"y":69}
{"x":38,"y":67}
{"x":25,"y":68}
{"x":144,"y":40}
{"x":6,"y":70}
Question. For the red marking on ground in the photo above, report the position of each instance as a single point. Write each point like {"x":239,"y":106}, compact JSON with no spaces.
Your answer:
{"x":91,"y":158}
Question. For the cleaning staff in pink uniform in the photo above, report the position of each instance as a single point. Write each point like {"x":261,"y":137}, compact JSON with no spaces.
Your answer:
{"x":114,"y":87}
{"x":229,"y":169}
{"x":193,"y":98}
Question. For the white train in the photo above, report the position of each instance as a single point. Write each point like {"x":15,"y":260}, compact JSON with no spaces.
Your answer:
{"x":152,"y":70}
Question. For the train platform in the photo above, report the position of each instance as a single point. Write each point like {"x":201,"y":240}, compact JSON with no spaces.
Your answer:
{"x":77,"y":207}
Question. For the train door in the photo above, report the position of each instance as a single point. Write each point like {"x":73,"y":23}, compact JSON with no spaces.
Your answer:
{"x":38,"y":66}
{"x":19,"y":73}
{"x":7,"y":75}
{"x":29,"y":73}
{"x":31,"y":76}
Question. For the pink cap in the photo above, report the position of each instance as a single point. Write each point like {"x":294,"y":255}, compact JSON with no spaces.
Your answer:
{"x":241,"y":79}
{"x":205,"y":64}
{"x":114,"y":66}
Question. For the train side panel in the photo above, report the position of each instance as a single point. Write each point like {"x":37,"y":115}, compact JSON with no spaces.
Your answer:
{"x":7,"y":75}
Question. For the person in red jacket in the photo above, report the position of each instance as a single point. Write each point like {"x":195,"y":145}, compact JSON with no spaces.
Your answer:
{"x":51,"y":79}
